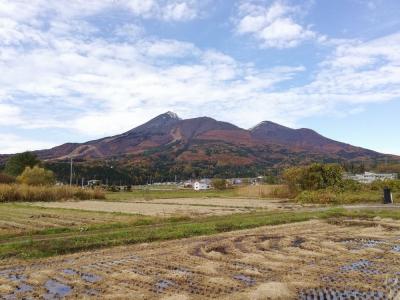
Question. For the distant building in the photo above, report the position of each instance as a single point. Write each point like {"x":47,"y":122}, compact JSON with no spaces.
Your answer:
{"x":188,"y":184}
{"x":204,"y":184}
{"x":235,"y":181}
{"x":369,"y":177}
{"x":93,"y":183}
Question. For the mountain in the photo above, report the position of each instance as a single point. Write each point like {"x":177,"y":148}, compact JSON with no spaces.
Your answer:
{"x":162,"y":131}
{"x":170,"y":131}
{"x":201,"y":146}
{"x":306,"y":139}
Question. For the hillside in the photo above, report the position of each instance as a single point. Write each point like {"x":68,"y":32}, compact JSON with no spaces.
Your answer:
{"x":192,"y":139}
{"x":168,"y":145}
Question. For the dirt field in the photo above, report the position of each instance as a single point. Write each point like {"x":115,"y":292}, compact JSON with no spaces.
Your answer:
{"x":342,"y":259}
{"x":168,"y":207}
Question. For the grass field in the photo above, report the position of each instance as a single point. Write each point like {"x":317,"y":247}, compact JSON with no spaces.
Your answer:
{"x":23,"y":219}
{"x":122,"y":230}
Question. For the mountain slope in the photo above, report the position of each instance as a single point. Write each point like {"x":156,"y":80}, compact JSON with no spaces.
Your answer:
{"x":169,"y":139}
{"x":162,"y":131}
{"x":306,"y":139}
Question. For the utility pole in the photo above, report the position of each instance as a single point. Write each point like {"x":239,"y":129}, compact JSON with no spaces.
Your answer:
{"x":70,"y":175}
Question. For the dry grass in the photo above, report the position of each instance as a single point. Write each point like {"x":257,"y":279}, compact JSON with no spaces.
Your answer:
{"x":171,"y":207}
{"x":299,"y":259}
{"x":272,"y":291}
{"x":26,"y":193}
{"x":145,"y":208}
{"x":264,"y":191}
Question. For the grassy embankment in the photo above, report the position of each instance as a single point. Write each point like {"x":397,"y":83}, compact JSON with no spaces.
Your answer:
{"x":50,"y":242}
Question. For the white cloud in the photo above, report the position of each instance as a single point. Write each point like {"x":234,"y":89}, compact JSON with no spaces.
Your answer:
{"x":360,"y":72}
{"x":129,"y":31}
{"x":100,"y":85}
{"x":30,"y":11}
{"x":168,"y":48}
{"x":10,"y":143}
{"x":274,"y":26}
{"x":179,"y":11}
{"x":9,"y":115}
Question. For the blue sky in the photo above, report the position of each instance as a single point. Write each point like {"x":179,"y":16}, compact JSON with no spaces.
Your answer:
{"x":76,"y":70}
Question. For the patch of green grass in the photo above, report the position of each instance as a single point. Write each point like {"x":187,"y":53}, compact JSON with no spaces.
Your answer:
{"x":100,"y":236}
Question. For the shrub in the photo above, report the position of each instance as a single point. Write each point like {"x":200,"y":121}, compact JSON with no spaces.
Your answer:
{"x":219,"y":184}
{"x":318,"y":197}
{"x":4,"y":178}
{"x":313,"y":177}
{"x":351,"y":185}
{"x":379,"y":185}
{"x":36,"y":176}
{"x":26,"y":193}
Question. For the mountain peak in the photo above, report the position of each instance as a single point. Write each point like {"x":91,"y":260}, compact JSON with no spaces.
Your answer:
{"x":268,"y":125}
{"x":161,"y":122}
{"x":171,"y":115}
{"x":167,"y":117}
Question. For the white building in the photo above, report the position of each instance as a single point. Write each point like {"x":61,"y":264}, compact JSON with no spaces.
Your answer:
{"x":369,"y":177}
{"x":204,"y":184}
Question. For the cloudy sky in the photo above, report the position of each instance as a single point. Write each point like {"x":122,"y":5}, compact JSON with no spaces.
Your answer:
{"x":74,"y":70}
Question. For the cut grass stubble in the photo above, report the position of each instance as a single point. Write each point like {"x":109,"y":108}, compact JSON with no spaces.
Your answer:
{"x":124,"y":234}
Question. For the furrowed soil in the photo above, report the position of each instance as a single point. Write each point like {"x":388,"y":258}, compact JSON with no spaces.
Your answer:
{"x":338,"y":258}
{"x":178,"y":206}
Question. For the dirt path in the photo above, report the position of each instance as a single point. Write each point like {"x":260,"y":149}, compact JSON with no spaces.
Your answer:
{"x":359,"y":259}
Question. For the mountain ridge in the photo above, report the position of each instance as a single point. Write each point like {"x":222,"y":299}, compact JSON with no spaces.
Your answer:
{"x":206,"y":139}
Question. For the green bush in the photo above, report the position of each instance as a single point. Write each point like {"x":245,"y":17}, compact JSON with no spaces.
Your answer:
{"x":314,"y":177}
{"x":26,"y":193}
{"x":36,"y":176}
{"x":379,"y":185}
{"x":351,"y":185}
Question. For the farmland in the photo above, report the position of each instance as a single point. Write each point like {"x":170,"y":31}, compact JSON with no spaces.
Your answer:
{"x":171,"y":207}
{"x":286,"y":261}
{"x":207,"y":245}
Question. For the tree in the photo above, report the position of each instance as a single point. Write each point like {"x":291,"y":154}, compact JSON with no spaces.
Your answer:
{"x":314,"y":177}
{"x":293,"y":177}
{"x":219,"y":184}
{"x":36,"y":176}
{"x":17,"y":163}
